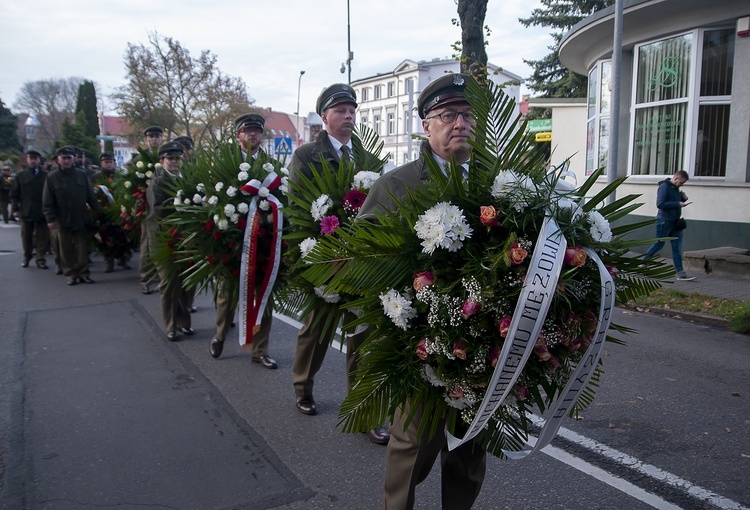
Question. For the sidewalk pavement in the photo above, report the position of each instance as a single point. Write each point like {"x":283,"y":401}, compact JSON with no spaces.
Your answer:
{"x":714,"y":285}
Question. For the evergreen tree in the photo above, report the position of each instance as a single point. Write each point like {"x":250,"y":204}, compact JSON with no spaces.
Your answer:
{"x":8,"y":130}
{"x":86,"y":103}
{"x":550,"y":79}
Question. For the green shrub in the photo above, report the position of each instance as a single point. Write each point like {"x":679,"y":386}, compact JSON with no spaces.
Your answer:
{"x":740,"y":320}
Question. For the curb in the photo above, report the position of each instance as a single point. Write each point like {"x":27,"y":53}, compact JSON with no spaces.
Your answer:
{"x":701,"y":318}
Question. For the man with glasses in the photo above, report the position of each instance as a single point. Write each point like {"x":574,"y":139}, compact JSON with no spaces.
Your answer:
{"x":66,"y":196}
{"x":447,"y":120}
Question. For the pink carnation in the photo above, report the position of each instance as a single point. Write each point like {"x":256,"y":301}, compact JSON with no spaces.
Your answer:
{"x":328,"y":225}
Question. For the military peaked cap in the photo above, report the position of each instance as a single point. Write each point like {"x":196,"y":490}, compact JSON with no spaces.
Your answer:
{"x":447,"y":89}
{"x":170,"y":148}
{"x":249,"y":120}
{"x":153,"y":129}
{"x":106,"y":155}
{"x":33,"y":152}
{"x":335,"y":94}
{"x":66,"y":150}
{"x":185,"y":141}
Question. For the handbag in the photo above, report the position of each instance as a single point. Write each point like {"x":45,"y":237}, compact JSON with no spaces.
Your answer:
{"x":680,"y":224}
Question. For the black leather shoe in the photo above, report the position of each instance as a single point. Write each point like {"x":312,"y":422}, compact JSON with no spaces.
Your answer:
{"x":145,"y":289}
{"x":171,"y":336}
{"x":266,"y":361}
{"x":72,"y":281}
{"x":216,"y":347}
{"x":58,"y":270}
{"x":379,"y":435}
{"x":306,"y":405}
{"x":42,"y":265}
{"x":188,"y":331}
{"x":193,"y":308}
{"x":86,"y":279}
{"x":25,"y":263}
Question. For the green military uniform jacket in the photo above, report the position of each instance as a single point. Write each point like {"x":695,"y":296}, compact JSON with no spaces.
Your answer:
{"x":65,"y":197}
{"x":26,"y":194}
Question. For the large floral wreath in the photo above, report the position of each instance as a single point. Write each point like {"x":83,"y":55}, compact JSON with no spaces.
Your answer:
{"x":323,"y":205}
{"x":487,"y":300}
{"x":129,"y":191}
{"x":227,"y":228}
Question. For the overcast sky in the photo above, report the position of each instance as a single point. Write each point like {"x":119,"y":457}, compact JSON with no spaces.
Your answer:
{"x":266,"y":43}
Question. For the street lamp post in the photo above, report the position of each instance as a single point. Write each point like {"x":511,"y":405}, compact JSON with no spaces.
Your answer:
{"x":299,"y":86}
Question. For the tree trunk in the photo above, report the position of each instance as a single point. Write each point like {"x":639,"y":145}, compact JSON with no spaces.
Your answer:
{"x":471,"y":15}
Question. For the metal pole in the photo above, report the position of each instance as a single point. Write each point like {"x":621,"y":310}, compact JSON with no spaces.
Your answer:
{"x":348,"y":43}
{"x":299,"y":86}
{"x":614,"y":109}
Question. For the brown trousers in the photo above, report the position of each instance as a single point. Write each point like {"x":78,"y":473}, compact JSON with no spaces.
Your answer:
{"x":225,"y":310}
{"x":409,"y":461}
{"x":175,"y":302}
{"x":74,"y":252}
{"x":34,"y":238}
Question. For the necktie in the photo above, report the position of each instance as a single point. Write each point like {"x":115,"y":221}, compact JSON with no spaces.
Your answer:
{"x":346,"y":154}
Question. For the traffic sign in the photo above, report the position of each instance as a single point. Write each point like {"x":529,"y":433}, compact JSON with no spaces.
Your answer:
{"x":543,"y":137}
{"x":283,"y":145}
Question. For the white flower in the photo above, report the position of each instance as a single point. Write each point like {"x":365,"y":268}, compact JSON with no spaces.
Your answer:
{"x":398,"y":308}
{"x":219,"y":186}
{"x":328,"y":298}
{"x":186,"y":201}
{"x":140,"y":175}
{"x":231,"y":191}
{"x":442,"y":226}
{"x":234,"y":218}
{"x":123,"y":209}
{"x":157,"y":166}
{"x":243,"y":176}
{"x":127,"y":184}
{"x":229,"y":209}
{"x":149,"y":174}
{"x":284,"y":170}
{"x":306,"y":246}
{"x":242,"y":208}
{"x":216,"y":218}
{"x":264,"y":205}
{"x":197,"y":199}
{"x":201,"y":188}
{"x":177,"y":201}
{"x":223,"y":224}
{"x":364,"y":180}
{"x":139,"y":164}
{"x":430,"y":375}
{"x":268,"y":167}
{"x":502,"y":184}
{"x":599,"y":230}
{"x":245,"y":166}
{"x":180,"y":193}
{"x":263,"y":192}
{"x":320,"y":207}
{"x":213,"y":200}
{"x":284,"y":185}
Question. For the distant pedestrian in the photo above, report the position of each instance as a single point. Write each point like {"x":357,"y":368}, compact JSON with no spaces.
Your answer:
{"x":670,"y":201}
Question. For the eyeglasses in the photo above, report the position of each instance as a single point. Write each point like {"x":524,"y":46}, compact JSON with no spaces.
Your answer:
{"x":450,"y":117}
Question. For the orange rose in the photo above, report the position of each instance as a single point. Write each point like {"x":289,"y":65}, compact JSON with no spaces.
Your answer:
{"x":488,"y":216}
{"x":517,"y":254}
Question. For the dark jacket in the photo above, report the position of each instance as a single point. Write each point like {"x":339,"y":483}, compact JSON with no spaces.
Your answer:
{"x":65,"y":198}
{"x":26,"y":194}
{"x":668,"y":201}
{"x":395,"y":182}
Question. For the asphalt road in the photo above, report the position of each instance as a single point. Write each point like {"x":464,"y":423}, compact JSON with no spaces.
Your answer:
{"x":98,"y":410}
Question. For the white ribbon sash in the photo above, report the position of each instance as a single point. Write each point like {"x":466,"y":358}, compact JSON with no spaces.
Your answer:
{"x":531,"y":309}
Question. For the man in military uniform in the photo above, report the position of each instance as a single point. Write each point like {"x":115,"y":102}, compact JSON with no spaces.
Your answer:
{"x":105,"y":177}
{"x":26,"y":198}
{"x":447,"y":119}
{"x":337,"y":106}
{"x":66,"y":195}
{"x":6,"y":179}
{"x":153,"y":136}
{"x":249,"y":128}
{"x":174,"y":298}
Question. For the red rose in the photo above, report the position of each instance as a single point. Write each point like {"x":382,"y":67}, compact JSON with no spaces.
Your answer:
{"x":209,"y":226}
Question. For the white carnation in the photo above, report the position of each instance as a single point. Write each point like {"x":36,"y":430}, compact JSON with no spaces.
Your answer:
{"x":127,"y":184}
{"x":364,"y":180}
{"x":219,"y":186}
{"x":139,"y":164}
{"x":328,"y":298}
{"x":306,"y":246}
{"x":231,"y":191}
{"x":600,"y":230}
{"x":229,"y":209}
{"x":213,"y":200}
{"x":245,"y":166}
{"x":263,"y":192}
{"x":197,"y":199}
{"x":201,"y":188}
{"x":398,"y":308}
{"x":264,"y":205}
{"x":320,"y":207}
{"x":243,"y":176}
{"x":149,"y":174}
{"x":268,"y":167}
{"x":223,"y":224}
{"x":242,"y":208}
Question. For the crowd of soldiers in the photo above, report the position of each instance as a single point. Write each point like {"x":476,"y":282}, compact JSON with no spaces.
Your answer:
{"x":56,"y":202}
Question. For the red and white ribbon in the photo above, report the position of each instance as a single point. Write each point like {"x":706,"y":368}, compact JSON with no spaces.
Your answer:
{"x":254,"y":294}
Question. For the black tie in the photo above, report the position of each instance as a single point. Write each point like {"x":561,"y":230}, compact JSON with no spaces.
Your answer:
{"x":346,"y":154}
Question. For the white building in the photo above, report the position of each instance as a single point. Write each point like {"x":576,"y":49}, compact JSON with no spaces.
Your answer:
{"x":388,"y":102}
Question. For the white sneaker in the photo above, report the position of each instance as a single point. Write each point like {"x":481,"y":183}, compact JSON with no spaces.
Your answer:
{"x":683,"y":276}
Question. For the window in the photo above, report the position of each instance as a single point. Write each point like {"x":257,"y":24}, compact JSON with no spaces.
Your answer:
{"x":376,"y":123}
{"x":597,"y":128}
{"x":407,"y":122}
{"x":376,"y":92}
{"x":364,"y":94}
{"x":391,"y":89}
{"x":391,"y":126}
{"x":682,"y":104}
